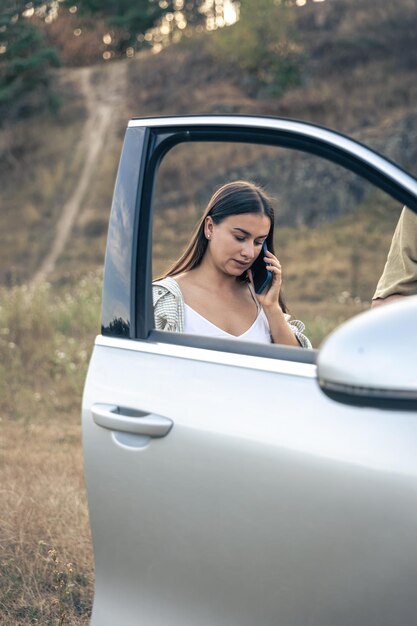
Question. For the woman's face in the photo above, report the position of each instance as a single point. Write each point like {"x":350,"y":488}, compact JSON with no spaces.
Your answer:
{"x":235,"y":243}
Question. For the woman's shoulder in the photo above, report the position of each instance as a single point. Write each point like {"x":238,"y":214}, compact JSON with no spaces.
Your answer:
{"x":182,"y":280}
{"x":181,"y":286}
{"x":165,"y":287}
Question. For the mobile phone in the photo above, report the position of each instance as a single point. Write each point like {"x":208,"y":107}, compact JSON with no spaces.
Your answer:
{"x":262,"y":278}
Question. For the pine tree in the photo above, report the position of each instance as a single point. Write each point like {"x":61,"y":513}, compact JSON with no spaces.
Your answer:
{"x":25,"y":60}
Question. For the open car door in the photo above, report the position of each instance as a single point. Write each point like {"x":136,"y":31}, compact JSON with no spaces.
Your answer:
{"x":224,"y":487}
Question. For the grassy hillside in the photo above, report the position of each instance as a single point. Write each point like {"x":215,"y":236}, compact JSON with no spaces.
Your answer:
{"x":37,"y":172}
{"x":357,"y":75}
{"x":357,"y":71}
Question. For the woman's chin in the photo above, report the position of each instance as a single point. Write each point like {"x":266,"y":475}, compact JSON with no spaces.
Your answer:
{"x":237,"y":272}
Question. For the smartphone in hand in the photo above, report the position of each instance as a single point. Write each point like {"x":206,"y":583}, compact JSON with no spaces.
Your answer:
{"x":262,"y":278}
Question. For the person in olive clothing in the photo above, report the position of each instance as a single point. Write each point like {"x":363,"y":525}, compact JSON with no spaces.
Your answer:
{"x":399,"y":278}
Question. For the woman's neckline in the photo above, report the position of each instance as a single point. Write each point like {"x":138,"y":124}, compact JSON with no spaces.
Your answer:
{"x":222,"y":329}
{"x":258,"y":306}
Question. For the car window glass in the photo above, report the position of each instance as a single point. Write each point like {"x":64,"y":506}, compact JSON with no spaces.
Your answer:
{"x":332,"y":232}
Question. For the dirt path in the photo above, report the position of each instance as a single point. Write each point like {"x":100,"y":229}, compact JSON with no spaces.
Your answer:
{"x":102,"y":99}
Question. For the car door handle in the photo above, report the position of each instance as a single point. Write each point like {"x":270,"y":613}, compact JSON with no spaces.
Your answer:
{"x":131,"y":420}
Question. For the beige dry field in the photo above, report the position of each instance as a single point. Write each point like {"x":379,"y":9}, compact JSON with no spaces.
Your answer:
{"x":46,"y":575}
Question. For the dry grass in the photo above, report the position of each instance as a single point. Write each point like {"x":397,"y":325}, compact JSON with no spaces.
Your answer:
{"x":43,"y":509}
{"x":45,"y":342}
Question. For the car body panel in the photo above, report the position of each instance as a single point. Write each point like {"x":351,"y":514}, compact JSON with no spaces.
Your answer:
{"x":249,"y":511}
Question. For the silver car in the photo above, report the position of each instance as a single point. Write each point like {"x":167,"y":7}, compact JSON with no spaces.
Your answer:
{"x":237,"y":484}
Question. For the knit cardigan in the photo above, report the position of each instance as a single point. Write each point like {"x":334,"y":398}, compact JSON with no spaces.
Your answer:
{"x":168,"y":303}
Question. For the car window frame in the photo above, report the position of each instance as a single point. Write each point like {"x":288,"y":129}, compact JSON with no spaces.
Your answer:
{"x":160,"y":135}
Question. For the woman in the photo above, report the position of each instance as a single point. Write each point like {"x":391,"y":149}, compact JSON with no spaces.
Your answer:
{"x":209,"y":289}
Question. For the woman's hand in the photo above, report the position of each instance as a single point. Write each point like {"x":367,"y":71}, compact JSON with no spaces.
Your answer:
{"x":270,"y":298}
{"x":278,"y":326}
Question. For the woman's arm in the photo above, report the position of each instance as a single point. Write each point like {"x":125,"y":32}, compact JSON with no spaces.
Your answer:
{"x":282,"y":331}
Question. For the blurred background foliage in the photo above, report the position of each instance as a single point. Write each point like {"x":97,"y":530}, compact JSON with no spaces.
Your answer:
{"x":37,"y":36}
{"x":264,"y":46}
{"x":27,"y":53}
{"x":25,"y":61}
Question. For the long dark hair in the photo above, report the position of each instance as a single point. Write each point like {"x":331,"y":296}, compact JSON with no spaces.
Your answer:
{"x":233,"y":198}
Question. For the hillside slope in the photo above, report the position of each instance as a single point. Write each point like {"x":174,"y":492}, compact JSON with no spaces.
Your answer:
{"x":358,"y":76}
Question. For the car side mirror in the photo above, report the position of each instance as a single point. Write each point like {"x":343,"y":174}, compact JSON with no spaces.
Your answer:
{"x":371,"y":360}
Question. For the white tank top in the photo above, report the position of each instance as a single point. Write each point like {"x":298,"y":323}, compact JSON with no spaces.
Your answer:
{"x":196,"y":324}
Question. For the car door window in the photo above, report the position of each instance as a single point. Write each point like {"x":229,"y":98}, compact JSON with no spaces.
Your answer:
{"x":332,"y":233}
